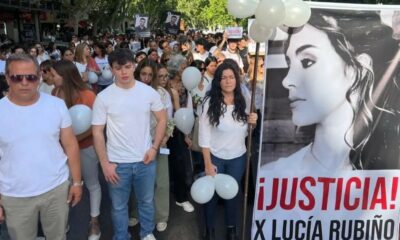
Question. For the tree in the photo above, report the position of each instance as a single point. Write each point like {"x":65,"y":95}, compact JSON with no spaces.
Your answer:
{"x":192,"y":12}
{"x":216,"y":15}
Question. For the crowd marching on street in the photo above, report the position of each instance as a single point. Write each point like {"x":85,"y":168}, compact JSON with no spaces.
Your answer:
{"x":133,"y":87}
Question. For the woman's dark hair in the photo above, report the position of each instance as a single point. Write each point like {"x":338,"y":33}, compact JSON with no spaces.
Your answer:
{"x":357,"y":44}
{"x":102,"y":48}
{"x":63,"y":50}
{"x":199,"y":64}
{"x":151,"y":51}
{"x":209,"y":60}
{"x":72,"y":81}
{"x":139,"y":54}
{"x":217,"y":106}
{"x":151,"y":64}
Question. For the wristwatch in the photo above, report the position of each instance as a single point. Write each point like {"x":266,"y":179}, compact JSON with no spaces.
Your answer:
{"x":77,"y":184}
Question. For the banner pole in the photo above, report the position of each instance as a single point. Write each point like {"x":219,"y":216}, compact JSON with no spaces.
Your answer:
{"x":249,"y":144}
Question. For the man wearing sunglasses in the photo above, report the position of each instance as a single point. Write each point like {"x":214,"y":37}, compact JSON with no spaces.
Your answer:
{"x":36,"y":144}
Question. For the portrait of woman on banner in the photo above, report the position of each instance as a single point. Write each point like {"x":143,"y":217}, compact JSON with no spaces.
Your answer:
{"x":334,"y":80}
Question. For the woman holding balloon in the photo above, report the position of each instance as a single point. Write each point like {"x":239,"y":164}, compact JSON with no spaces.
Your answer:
{"x":222,"y":132}
{"x":179,"y":143}
{"x":71,"y":88}
{"x":86,"y":65}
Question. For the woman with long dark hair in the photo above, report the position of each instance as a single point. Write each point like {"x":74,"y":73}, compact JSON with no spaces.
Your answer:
{"x":222,"y":132}
{"x":71,"y":88}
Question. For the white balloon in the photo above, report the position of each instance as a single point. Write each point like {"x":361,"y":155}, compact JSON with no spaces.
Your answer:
{"x":184,"y":120}
{"x":203,"y":189}
{"x":191,"y":77}
{"x":92,"y":77}
{"x":107,"y":74}
{"x":81,"y":116}
{"x":226,"y":186}
{"x":259,"y":33}
{"x":270,"y":13}
{"x":297,"y":13}
{"x":242,"y":8}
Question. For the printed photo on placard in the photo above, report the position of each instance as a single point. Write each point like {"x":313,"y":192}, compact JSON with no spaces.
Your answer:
{"x":330,"y":113}
{"x":172,"y":22}
{"x":142,"y":26}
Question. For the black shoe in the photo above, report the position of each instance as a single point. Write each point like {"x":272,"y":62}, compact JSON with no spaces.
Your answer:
{"x":210,"y":234}
{"x":231,"y":233}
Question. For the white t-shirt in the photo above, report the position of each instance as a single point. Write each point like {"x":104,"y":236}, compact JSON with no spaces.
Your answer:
{"x":198,"y":94}
{"x":32,"y":160}
{"x":81,"y":67}
{"x":127,"y":115}
{"x":45,"y":88}
{"x":235,"y":56}
{"x":227,"y":140}
{"x":202,"y":57}
{"x":103,"y":65}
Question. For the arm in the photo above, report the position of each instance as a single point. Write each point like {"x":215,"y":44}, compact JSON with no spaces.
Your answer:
{"x":100,"y":146}
{"x":84,"y":135}
{"x":70,"y":145}
{"x":209,"y":168}
{"x":224,"y":39}
{"x":175,"y":97}
{"x":161,"y":118}
{"x":205,"y":140}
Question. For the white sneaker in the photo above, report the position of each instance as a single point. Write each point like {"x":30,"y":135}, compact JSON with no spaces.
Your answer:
{"x":149,"y":237}
{"x":187,"y":206}
{"x":161,"y":226}
{"x":94,"y":236}
{"x":133,"y":222}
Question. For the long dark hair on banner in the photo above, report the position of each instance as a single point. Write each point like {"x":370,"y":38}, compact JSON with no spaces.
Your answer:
{"x":217,"y":106}
{"x":367,"y":47}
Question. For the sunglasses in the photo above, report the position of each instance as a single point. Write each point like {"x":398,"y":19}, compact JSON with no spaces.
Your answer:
{"x":29,"y":77}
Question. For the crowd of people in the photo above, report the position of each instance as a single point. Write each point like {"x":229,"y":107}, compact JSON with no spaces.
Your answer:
{"x":133,"y":87}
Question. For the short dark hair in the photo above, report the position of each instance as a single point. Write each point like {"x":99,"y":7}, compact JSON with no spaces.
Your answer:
{"x":201,"y":41}
{"x":121,"y":56}
{"x":47,"y":64}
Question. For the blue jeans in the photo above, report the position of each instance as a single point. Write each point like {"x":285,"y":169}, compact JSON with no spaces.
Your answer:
{"x":235,"y":168}
{"x":142,"y":178}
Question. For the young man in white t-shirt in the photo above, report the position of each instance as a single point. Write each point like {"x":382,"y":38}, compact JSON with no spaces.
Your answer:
{"x":128,"y":159}
{"x":36,"y":143}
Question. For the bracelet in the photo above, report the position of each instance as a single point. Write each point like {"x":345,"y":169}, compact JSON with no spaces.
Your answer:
{"x":156,"y":149}
{"x":77,"y":184}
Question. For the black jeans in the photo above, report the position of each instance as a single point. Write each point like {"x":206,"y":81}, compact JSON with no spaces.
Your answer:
{"x":180,"y":166}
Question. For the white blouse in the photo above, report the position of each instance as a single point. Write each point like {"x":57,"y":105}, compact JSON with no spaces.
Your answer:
{"x":227,"y":140}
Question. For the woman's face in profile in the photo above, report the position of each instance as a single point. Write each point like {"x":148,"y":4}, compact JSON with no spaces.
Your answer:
{"x":316,"y":79}
{"x":58,"y":80}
